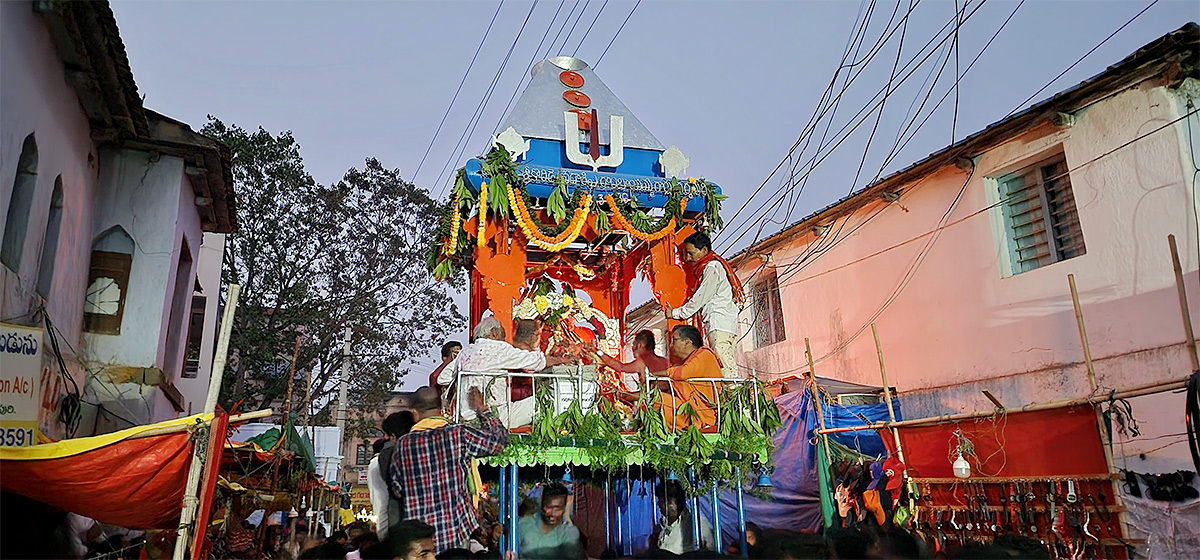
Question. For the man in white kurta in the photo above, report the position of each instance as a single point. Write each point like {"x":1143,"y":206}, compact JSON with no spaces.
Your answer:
{"x":715,"y":300}
{"x":490,"y":353}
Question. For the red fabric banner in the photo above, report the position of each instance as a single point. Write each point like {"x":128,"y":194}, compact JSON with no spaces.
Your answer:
{"x":134,"y":483}
{"x":1063,"y":441}
{"x":208,"y":484}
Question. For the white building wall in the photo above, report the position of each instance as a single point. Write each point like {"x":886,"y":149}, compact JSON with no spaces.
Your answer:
{"x":208,"y":272}
{"x":140,"y":193}
{"x":35,"y":98}
{"x":187,"y":235}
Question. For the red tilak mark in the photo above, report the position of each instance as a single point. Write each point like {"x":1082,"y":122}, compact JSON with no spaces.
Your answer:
{"x":594,"y":146}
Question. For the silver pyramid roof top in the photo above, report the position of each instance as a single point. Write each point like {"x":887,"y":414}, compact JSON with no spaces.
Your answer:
{"x":539,"y":111}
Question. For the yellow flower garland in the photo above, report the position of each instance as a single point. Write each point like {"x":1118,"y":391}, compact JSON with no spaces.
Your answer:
{"x":624,"y":224}
{"x":535,"y":236}
{"x":455,"y":225}
{"x":480,"y":240}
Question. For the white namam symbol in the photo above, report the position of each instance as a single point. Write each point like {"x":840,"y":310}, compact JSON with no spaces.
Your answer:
{"x":616,"y":146}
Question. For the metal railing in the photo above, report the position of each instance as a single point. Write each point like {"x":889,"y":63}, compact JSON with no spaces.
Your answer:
{"x":577,"y":380}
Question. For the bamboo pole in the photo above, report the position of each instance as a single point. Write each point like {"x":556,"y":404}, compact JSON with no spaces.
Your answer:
{"x":1183,"y":306}
{"x":812,"y":381}
{"x":1087,"y":351}
{"x":887,"y":397}
{"x":1101,"y":426}
{"x":185,"y":427}
{"x":191,"y":495}
{"x":827,"y":516}
{"x":1151,"y":389}
{"x":887,"y":392}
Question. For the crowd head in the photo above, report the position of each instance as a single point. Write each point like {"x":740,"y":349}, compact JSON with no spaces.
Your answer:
{"x":489,"y":327}
{"x":554,"y":504}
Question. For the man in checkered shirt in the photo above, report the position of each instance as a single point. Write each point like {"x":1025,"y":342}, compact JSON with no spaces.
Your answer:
{"x":431,"y":465}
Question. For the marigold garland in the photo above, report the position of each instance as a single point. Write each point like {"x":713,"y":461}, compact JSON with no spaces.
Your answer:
{"x":455,"y":225}
{"x":624,"y":224}
{"x":535,"y":236}
{"x":480,"y":239}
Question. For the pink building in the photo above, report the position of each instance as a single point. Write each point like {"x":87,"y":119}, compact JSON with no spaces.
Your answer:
{"x":961,"y":260}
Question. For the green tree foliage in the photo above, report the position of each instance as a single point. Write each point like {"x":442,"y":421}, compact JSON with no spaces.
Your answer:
{"x":313,"y":258}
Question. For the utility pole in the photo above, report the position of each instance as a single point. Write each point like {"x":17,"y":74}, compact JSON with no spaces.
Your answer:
{"x":287,"y":398}
{"x":343,"y":390}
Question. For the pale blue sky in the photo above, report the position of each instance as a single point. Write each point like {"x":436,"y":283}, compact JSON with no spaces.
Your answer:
{"x":730,"y":83}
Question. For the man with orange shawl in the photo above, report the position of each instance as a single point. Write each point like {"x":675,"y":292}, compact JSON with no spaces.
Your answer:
{"x":716,"y":294}
{"x":697,"y":362}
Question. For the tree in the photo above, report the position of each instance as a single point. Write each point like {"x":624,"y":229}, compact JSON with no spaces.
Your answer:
{"x":312,"y":259}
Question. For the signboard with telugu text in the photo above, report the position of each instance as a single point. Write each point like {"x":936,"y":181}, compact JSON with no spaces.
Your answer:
{"x":360,"y":497}
{"x":20,"y":390}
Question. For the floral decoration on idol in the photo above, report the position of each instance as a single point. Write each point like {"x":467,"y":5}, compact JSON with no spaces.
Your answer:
{"x":561,"y":311}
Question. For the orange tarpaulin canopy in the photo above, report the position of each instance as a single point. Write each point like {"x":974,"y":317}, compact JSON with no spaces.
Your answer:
{"x":119,"y":479}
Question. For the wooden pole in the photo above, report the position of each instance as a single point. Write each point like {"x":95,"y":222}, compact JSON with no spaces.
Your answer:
{"x":287,"y":398}
{"x":1183,"y":306}
{"x":812,"y":384}
{"x":1101,"y":425}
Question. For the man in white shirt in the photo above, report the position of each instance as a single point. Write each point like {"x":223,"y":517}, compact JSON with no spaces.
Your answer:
{"x":386,"y":507}
{"x":674,"y":530}
{"x":716,"y":298}
{"x":490,"y":353}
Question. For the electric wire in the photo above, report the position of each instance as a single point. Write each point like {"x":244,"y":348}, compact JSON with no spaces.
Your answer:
{"x":1085,"y":55}
{"x":550,"y":48}
{"x":528,"y":69}
{"x":822,"y":108}
{"x":852,"y":125}
{"x":899,"y":146}
{"x":589,"y":29}
{"x":459,"y":89}
{"x":469,"y":131}
{"x":861,"y":117}
{"x":567,"y":39}
{"x":617,"y":34}
{"x":944,"y":225}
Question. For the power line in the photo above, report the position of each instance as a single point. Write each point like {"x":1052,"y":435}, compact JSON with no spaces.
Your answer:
{"x":589,"y":29}
{"x":617,"y":34}
{"x":468,"y":133}
{"x":573,"y":25}
{"x":818,"y":157}
{"x":820,"y":113}
{"x":1085,"y":55}
{"x":799,"y":264}
{"x":560,"y":29}
{"x":459,"y":89}
{"x":528,"y":68}
{"x":943,"y":224}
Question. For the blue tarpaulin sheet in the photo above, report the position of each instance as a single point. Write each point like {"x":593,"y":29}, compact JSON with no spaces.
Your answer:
{"x":795,"y":503}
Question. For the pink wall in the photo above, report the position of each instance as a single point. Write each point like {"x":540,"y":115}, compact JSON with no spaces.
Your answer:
{"x":961,"y":324}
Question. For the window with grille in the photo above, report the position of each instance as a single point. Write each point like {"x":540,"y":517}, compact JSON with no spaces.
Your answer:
{"x":1040,"y":220}
{"x":768,"y":313}
{"x":362,"y":454}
